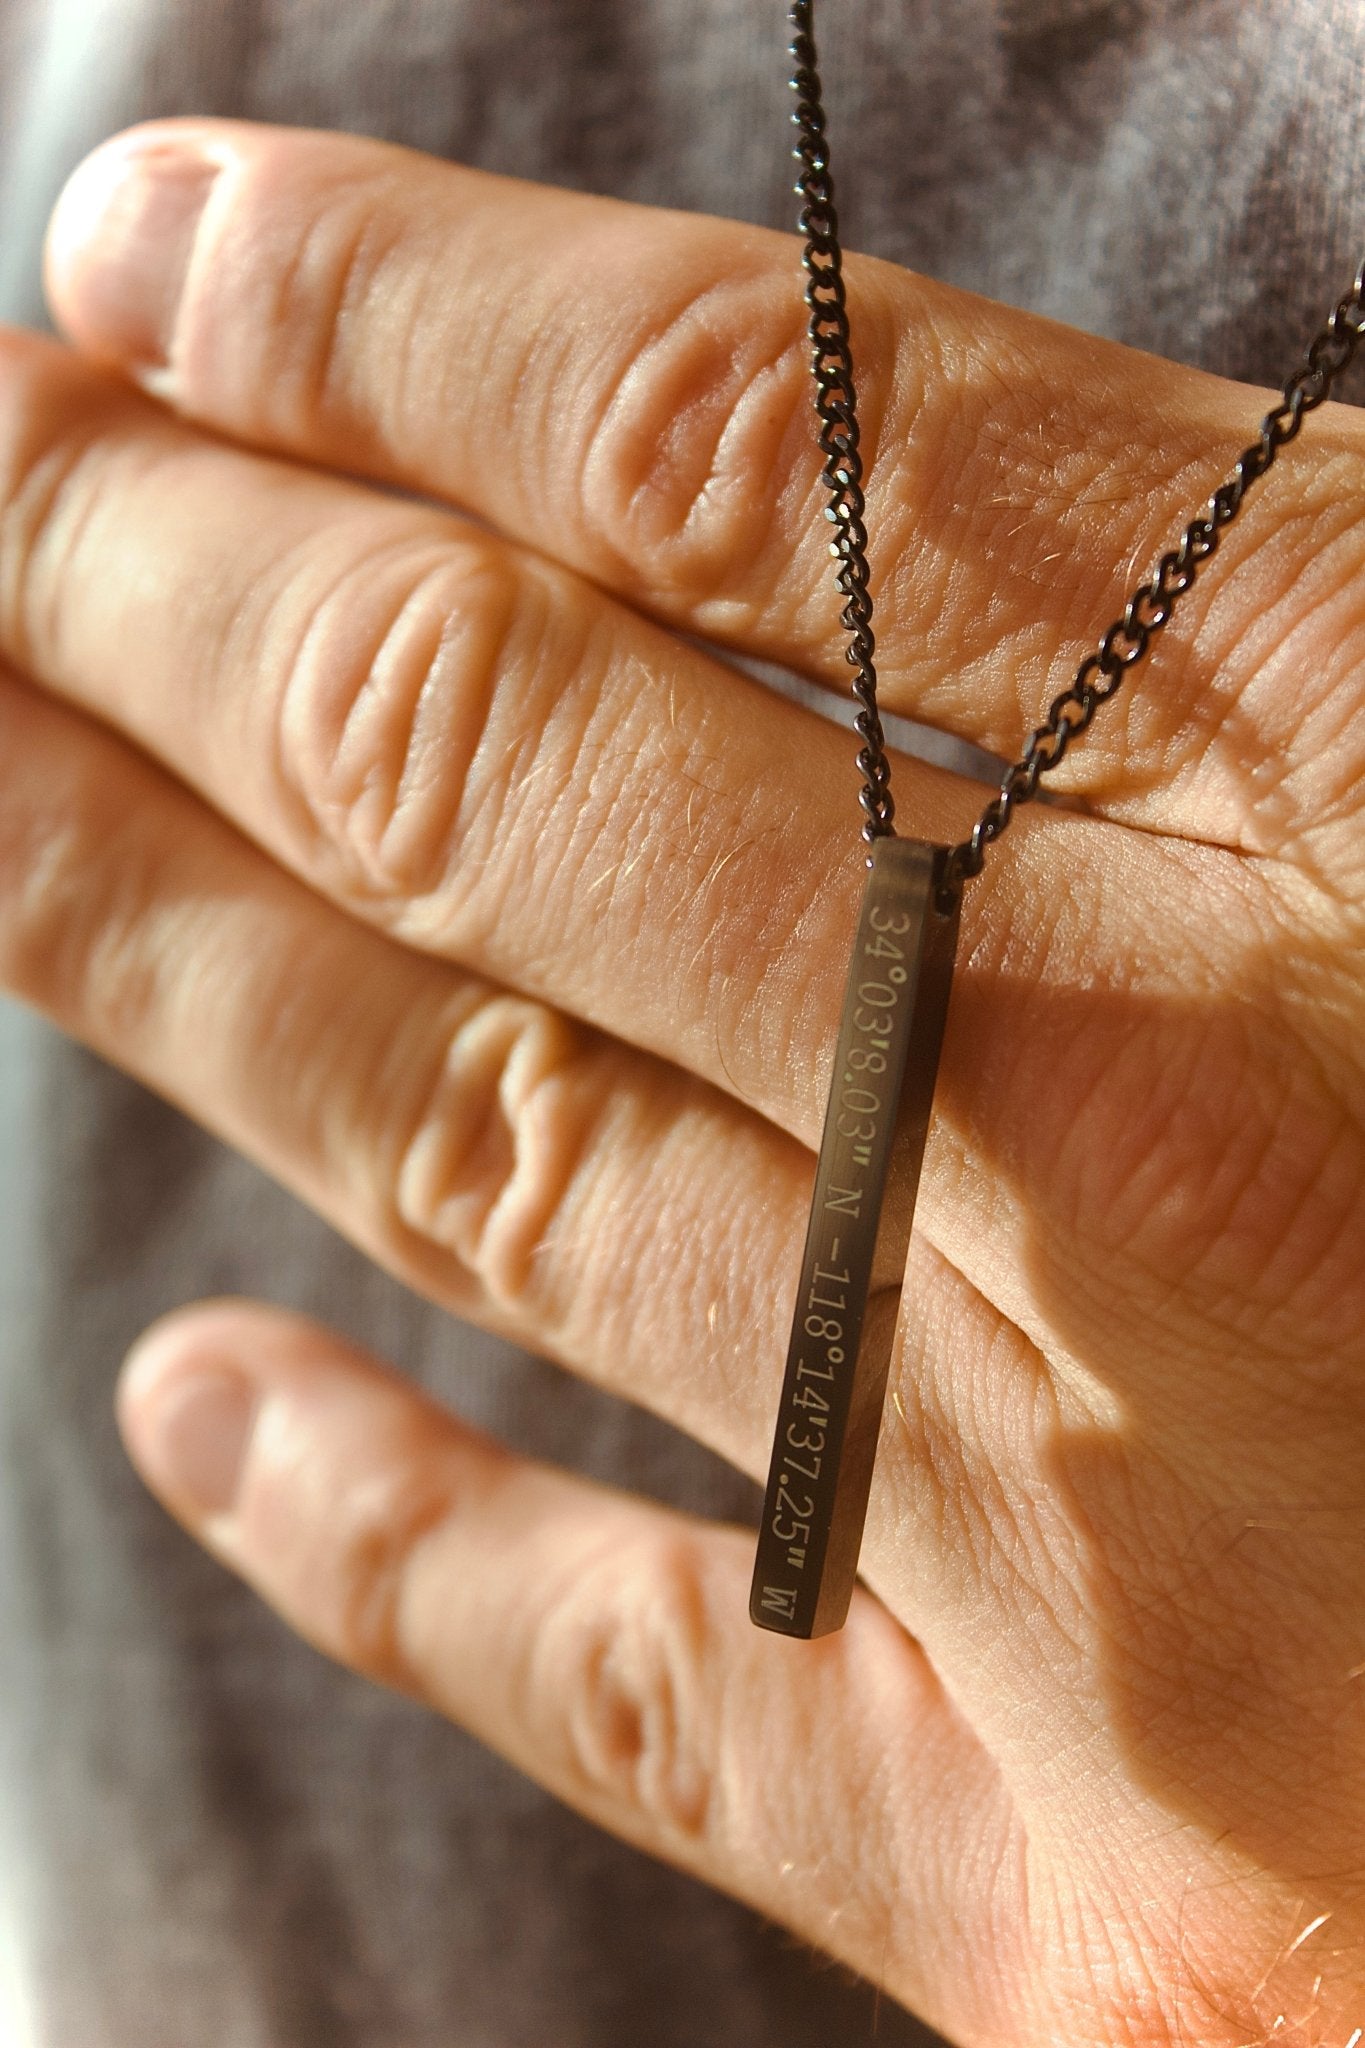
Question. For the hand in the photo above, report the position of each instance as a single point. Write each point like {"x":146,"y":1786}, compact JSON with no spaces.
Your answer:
{"x":425,"y":855}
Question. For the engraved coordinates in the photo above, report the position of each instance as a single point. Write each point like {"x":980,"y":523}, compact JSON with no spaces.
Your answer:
{"x":830,"y":1311}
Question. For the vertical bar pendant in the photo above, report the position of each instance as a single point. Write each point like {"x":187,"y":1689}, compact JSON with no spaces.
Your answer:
{"x":857,"y":1242}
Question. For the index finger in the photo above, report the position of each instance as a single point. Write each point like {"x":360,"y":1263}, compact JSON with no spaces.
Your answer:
{"x":628,"y":390}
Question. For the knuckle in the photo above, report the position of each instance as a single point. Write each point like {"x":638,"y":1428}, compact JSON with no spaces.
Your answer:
{"x":386,"y":745}
{"x":305,"y":259}
{"x":371,"y":1535}
{"x":487,"y":1167}
{"x":683,"y":478}
{"x":621,"y":1663}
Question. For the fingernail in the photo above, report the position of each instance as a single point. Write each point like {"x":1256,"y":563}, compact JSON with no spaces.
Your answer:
{"x":119,"y":245}
{"x":191,"y":1433}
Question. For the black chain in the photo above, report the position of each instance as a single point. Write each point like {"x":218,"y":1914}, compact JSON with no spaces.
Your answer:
{"x":837,"y":406}
{"x":1151,"y":604}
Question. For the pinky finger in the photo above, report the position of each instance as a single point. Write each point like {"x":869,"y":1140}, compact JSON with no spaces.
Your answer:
{"x":599,"y":1641}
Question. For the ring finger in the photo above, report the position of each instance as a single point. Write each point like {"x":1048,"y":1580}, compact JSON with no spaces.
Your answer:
{"x":571,"y":1193}
{"x":522,"y":1170}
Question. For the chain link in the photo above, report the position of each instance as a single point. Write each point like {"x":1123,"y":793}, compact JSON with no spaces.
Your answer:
{"x":837,"y":407}
{"x":1151,"y":604}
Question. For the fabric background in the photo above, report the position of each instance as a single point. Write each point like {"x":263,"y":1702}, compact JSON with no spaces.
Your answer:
{"x":208,"y":1835}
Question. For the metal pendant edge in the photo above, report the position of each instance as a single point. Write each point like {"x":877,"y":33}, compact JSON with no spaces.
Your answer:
{"x":857,"y":1240}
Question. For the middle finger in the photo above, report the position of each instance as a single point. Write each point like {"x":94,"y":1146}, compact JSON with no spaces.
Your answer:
{"x":463,"y":742}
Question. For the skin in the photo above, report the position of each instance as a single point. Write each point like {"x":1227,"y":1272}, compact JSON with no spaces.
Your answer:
{"x":406,"y":842}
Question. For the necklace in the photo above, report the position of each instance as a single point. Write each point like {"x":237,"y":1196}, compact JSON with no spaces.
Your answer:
{"x":848,"y":1300}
